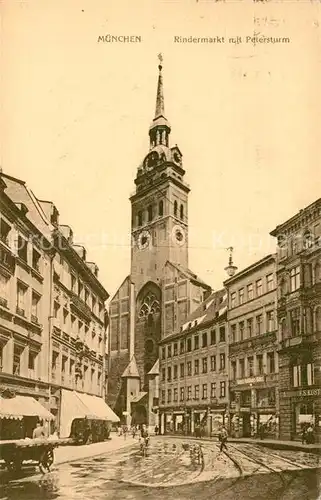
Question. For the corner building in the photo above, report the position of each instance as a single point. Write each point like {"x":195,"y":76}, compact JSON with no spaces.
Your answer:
{"x":53,"y":319}
{"x":253,"y":345}
{"x":299,"y":317}
{"x":160,"y":290}
{"x":194,"y":372}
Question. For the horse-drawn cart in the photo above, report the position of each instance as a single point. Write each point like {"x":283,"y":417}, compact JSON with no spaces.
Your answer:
{"x":32,"y":451}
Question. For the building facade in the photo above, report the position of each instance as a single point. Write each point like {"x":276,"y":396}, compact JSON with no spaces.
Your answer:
{"x":53,"y":324}
{"x":299,"y":317}
{"x":193,"y":368}
{"x":253,"y":344}
{"x":160,"y":291}
{"x":25,"y":263}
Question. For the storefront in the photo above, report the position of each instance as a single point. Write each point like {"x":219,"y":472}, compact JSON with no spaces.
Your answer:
{"x":304,"y":406}
{"x":19,"y":416}
{"x":84,"y":408}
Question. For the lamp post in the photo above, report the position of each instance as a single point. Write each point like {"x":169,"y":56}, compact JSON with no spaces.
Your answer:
{"x":231,"y":268}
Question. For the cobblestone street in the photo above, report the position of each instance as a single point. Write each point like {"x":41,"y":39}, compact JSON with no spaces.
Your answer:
{"x":173,"y":468}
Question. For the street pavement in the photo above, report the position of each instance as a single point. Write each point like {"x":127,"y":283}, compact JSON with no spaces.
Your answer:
{"x":65,"y":454}
{"x":174,"y":468}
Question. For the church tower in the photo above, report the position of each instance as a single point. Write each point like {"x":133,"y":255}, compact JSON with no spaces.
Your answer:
{"x":160,"y":291}
{"x":160,"y":203}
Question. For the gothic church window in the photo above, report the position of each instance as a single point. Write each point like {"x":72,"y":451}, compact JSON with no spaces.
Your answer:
{"x":182,"y":212}
{"x":150,"y":213}
{"x":149,"y":307}
{"x":161,"y":208}
{"x":140,"y":218}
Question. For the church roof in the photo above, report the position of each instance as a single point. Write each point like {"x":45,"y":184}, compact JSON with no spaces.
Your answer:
{"x":155,"y":369}
{"x":190,"y":275}
{"x":131,"y":371}
{"x":212,"y":309}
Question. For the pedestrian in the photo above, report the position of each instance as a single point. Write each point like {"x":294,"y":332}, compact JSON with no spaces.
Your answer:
{"x":125,"y":430}
{"x":133,"y":431}
{"x":262,"y":431}
{"x":156,"y":430}
{"x":309,"y":435}
{"x":39,"y":431}
{"x":304,"y":434}
{"x":223,"y":438}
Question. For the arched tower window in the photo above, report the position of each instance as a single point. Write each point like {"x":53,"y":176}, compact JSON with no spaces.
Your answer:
{"x":161,"y":208}
{"x":175,"y":208}
{"x":140,"y":218}
{"x":150,"y":213}
{"x":181,"y":210}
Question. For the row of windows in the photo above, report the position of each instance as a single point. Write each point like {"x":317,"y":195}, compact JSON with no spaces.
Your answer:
{"x":199,"y":341}
{"x":292,"y":246}
{"x":251,"y":366}
{"x":172,"y":372}
{"x":22,"y":247}
{"x":190,"y":393}
{"x":28,"y":301}
{"x":302,"y":374}
{"x":151,"y":212}
{"x":252,"y":290}
{"x":77,"y":286}
{"x":298,"y":277}
{"x":252,"y":327}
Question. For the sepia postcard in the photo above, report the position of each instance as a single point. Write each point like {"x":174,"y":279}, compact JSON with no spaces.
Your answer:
{"x":160,"y":249}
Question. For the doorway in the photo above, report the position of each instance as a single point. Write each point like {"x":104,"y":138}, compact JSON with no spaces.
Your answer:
{"x":246,"y":425}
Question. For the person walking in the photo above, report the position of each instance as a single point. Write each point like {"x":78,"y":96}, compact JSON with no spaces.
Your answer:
{"x":125,"y":430}
{"x":223,"y":438}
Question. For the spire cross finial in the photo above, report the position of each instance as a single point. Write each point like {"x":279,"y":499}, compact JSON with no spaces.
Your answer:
{"x":160,"y":58}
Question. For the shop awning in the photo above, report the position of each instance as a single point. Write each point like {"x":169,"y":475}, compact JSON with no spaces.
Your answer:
{"x":98,"y":407}
{"x":79,"y":405}
{"x":23,"y":406}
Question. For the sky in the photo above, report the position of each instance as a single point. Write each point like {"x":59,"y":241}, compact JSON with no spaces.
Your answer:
{"x":76,"y":112}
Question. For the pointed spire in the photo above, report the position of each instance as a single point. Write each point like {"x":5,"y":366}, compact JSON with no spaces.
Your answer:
{"x":160,"y":128}
{"x":160,"y":109}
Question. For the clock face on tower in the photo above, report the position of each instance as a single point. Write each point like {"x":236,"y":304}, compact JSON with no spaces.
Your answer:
{"x":177,"y":158}
{"x":144,"y":239}
{"x":178,"y":235}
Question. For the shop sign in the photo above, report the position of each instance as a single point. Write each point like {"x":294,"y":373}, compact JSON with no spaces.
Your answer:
{"x":250,"y":380}
{"x":302,"y":393}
